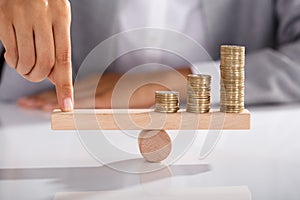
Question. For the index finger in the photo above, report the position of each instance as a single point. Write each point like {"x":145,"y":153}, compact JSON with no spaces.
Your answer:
{"x":61,"y":74}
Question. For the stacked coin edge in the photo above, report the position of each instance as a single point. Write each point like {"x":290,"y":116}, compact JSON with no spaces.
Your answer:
{"x":166,"y":101}
{"x":232,"y":79}
{"x":198,"y":93}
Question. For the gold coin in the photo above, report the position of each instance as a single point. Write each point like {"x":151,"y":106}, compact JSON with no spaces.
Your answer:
{"x":232,"y":78}
{"x":198,"y":93}
{"x":167,"y":101}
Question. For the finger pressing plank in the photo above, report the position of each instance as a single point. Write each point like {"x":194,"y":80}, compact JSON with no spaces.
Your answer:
{"x":61,"y":74}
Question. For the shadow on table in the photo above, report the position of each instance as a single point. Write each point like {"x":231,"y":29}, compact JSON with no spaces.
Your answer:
{"x":101,"y":178}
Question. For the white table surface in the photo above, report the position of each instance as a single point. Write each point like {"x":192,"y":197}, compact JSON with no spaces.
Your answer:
{"x":38,"y":163}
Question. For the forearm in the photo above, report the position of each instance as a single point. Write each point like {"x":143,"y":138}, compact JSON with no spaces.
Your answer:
{"x":272,"y":76}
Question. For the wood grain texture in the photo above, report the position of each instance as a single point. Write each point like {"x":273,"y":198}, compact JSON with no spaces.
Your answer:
{"x":147,"y":119}
{"x":155,"y":146}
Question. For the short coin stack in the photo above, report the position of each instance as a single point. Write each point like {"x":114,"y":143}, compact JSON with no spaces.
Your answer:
{"x":232,"y":79}
{"x":166,"y":101}
{"x":198,"y":93}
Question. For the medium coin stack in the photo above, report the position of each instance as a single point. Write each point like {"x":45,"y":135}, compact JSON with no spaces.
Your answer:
{"x":166,"y":101}
{"x":232,"y":79}
{"x":198,"y":93}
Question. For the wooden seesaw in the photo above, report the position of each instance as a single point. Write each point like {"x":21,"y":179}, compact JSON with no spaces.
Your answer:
{"x":154,"y":143}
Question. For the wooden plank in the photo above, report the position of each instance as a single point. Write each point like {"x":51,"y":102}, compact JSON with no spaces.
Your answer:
{"x":147,"y":119}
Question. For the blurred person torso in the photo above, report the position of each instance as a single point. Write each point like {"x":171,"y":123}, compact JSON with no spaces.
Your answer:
{"x":208,"y":22}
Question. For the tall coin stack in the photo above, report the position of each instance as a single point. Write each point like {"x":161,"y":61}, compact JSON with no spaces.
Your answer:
{"x":232,"y":79}
{"x":198,"y":93}
{"x":166,"y":101}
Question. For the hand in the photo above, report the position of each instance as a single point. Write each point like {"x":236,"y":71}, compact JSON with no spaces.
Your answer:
{"x":47,"y":100}
{"x":36,"y":36}
{"x":102,"y":97}
{"x":110,"y":84}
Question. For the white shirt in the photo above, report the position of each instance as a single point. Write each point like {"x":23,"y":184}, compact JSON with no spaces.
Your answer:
{"x":181,"y":16}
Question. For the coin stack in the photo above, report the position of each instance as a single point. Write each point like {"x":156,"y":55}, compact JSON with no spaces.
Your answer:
{"x":198,"y":93}
{"x":166,"y":101}
{"x":232,"y":79}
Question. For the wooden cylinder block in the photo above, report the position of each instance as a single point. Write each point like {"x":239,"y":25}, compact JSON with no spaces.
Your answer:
{"x":155,"y":145}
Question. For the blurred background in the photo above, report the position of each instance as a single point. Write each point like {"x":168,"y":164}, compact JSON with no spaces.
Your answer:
{"x":262,"y":163}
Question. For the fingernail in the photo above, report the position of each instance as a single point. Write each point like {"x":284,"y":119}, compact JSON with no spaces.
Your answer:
{"x":68,"y":105}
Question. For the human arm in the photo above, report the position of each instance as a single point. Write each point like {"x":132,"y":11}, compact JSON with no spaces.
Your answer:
{"x":273,"y":74}
{"x":142,"y":97}
{"x":272,"y":71}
